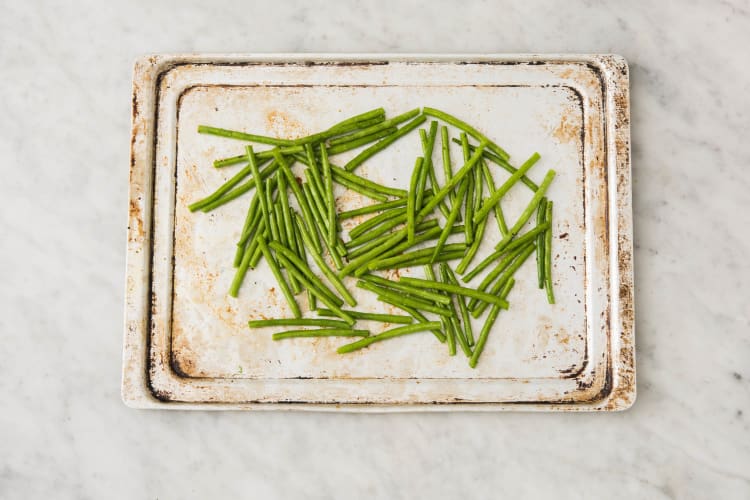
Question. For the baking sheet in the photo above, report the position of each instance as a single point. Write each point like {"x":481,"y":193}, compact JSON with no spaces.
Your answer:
{"x":187,"y":343}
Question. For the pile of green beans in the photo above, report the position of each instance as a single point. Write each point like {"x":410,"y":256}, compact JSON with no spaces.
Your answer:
{"x":403,"y":231}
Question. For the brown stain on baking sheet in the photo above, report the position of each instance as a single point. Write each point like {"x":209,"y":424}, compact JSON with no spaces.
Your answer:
{"x":566,"y":131}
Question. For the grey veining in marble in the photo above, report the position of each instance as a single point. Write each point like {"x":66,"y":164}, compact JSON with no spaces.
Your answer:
{"x":65,"y":73}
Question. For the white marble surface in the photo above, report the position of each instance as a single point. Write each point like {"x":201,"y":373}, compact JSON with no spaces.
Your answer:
{"x":65,"y":73}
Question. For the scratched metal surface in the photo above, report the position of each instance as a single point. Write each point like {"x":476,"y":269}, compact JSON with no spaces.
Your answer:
{"x":187,"y":343}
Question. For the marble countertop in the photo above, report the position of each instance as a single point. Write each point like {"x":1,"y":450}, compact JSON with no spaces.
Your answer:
{"x":64,"y":139}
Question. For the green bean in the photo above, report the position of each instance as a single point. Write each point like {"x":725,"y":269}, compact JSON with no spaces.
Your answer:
{"x":421,"y":304}
{"x":256,"y":250}
{"x":513,"y":245}
{"x":388,"y":334}
{"x":396,"y":285}
{"x":239,"y":191}
{"x":226,"y":187}
{"x":305,"y":270}
{"x":455,"y":210}
{"x":232,"y":160}
{"x":499,"y":268}
{"x":456,"y":289}
{"x":540,"y":242}
{"x":377,"y":207}
{"x":317,"y":205}
{"x":366,"y":257}
{"x":499,"y":216}
{"x":356,"y":143}
{"x":279,"y":277}
{"x":292,"y":181}
{"x":478,"y":187}
{"x":260,"y":188}
{"x":313,"y":168}
{"x":446,"y":153}
{"x":428,"y":146}
{"x":273,"y":224}
{"x":252,"y":219}
{"x":505,"y":165}
{"x":383,"y":318}
{"x":358,"y":119}
{"x":548,"y":254}
{"x":472,"y":251}
{"x":233,"y":134}
{"x":529,"y":210}
{"x":325,"y":299}
{"x":262,"y":155}
{"x":341,"y":127}
{"x":417,"y":261}
{"x":452,"y":183}
{"x":497,"y":287}
{"x":322,"y":332}
{"x":239,"y":275}
{"x":377,"y":231}
{"x":493,"y":200}
{"x":465,"y":317}
{"x":485,"y":333}
{"x":377,"y":220}
{"x":411,"y":200}
{"x":286,"y":216}
{"x":426,"y":230}
{"x":383,"y":143}
{"x":328,"y":181}
{"x":376,"y":128}
{"x":405,"y":257}
{"x":466,"y":128}
{"x":329,"y":274}
{"x":450,"y":323}
{"x":469,"y":224}
{"x":416,"y":315}
{"x":302,"y":254}
{"x":360,"y":184}
{"x":263,"y":323}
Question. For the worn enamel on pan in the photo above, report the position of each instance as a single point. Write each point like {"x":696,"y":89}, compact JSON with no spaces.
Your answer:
{"x":187,"y":344}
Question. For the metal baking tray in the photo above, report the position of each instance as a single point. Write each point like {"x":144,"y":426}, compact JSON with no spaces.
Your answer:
{"x":186,"y":342}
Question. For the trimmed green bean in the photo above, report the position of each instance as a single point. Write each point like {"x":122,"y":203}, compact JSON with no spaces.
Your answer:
{"x":328,"y":181}
{"x":529,"y":210}
{"x":469,"y":224}
{"x":499,"y":215}
{"x":227,"y":186}
{"x":405,"y":257}
{"x":322,"y":332}
{"x":465,"y":317}
{"x":540,"y":242}
{"x":325,"y":299}
{"x":426,"y":230}
{"x":493,"y":200}
{"x":452,"y":183}
{"x":381,"y":229}
{"x":452,"y":216}
{"x":497,"y":287}
{"x":383,"y":143}
{"x":356,"y":143}
{"x":239,"y":275}
{"x":367,"y":257}
{"x":421,"y":304}
{"x":411,"y":200}
{"x":305,"y":270}
{"x":442,"y":115}
{"x":341,"y":127}
{"x":396,"y":285}
{"x":383,"y":318}
{"x":320,"y":262}
{"x":233,"y":134}
{"x":456,"y":289}
{"x":376,"y":220}
{"x":376,"y":128}
{"x":292,"y":181}
{"x":416,"y":315}
{"x":485,"y":332}
{"x":279,"y":277}
{"x":263,"y":323}
{"x":548,"y":254}
{"x":388,"y":334}
{"x":472,"y":251}
{"x":504,"y":165}
{"x":377,"y":207}
{"x":418,"y":261}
